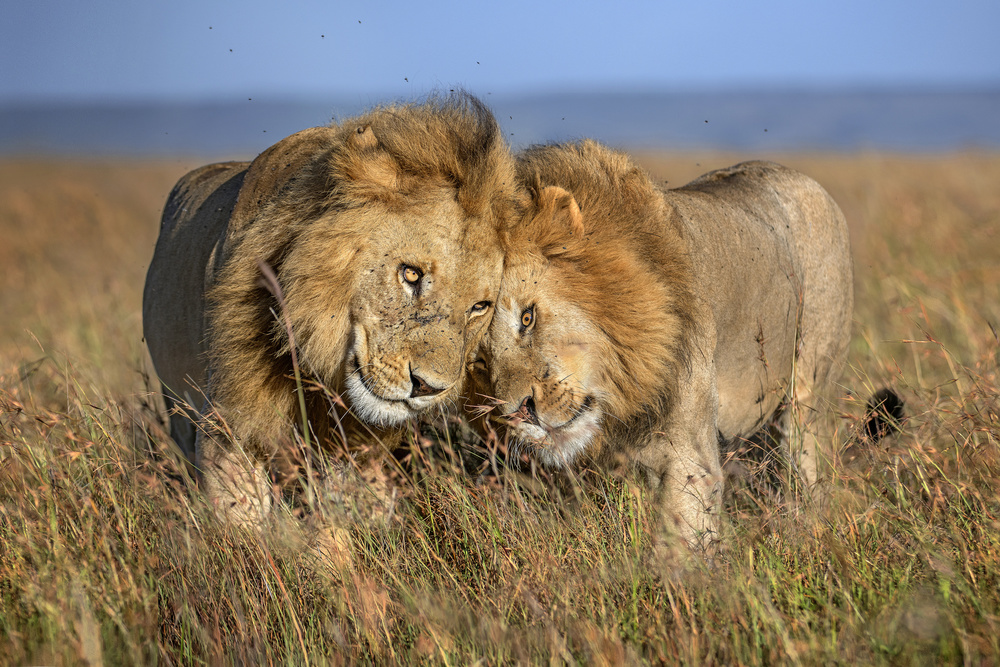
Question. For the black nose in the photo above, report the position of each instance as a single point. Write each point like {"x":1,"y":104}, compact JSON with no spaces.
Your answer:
{"x":421,"y":388}
{"x":527,"y":410}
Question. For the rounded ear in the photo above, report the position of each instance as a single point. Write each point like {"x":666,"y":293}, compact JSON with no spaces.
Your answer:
{"x":364,"y":137}
{"x":274,"y":168}
{"x":561,"y":207}
{"x":372,"y":173}
{"x":556,"y":223}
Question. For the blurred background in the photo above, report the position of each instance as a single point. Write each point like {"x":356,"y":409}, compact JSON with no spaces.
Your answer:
{"x":227,"y":79}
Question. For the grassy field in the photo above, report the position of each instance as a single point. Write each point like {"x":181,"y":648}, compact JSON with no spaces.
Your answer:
{"x":106,"y":558}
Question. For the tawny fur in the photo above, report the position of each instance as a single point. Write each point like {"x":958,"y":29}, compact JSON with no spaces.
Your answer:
{"x":647,"y":326}
{"x":336,"y":212}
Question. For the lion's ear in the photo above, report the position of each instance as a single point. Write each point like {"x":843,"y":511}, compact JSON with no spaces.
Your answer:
{"x":362,"y":138}
{"x":372,"y":173}
{"x":272,"y":170}
{"x":557,"y":223}
{"x":562,"y":206}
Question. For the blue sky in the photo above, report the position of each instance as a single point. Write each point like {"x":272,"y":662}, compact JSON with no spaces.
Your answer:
{"x":198,"y":49}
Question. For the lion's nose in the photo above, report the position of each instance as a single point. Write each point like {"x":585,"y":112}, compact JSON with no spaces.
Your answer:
{"x":527,"y":410}
{"x":421,"y":388}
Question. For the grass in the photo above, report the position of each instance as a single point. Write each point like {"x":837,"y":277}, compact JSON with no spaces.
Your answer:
{"x":106,"y":558}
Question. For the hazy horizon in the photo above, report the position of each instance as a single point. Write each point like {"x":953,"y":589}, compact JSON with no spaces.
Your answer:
{"x":911,"y":119}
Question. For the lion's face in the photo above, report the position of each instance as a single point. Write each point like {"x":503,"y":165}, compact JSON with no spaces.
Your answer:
{"x":384,"y":236}
{"x":581,"y":336}
{"x":544,"y":358}
{"x":422,"y":297}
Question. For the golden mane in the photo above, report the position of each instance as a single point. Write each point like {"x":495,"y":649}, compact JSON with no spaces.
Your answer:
{"x":388,"y":159}
{"x":639,"y":293}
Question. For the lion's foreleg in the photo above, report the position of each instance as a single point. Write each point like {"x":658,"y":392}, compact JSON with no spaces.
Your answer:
{"x":682,"y":464}
{"x":689,"y":499}
{"x":235,"y":483}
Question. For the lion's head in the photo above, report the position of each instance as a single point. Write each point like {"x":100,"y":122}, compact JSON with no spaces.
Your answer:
{"x":588,"y":333}
{"x":647,"y":326}
{"x":384,"y":233}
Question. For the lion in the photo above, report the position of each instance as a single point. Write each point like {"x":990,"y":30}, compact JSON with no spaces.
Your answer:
{"x":360,"y":260}
{"x":650,"y":327}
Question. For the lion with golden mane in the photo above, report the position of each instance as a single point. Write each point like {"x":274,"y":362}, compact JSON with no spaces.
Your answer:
{"x":362,"y":258}
{"x":650,"y":326}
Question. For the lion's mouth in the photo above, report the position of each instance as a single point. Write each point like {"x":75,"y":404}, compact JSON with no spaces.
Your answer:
{"x":535,"y":427}
{"x":371,"y":407}
{"x":585,"y":407}
{"x":363,"y":381}
{"x":556,"y":446}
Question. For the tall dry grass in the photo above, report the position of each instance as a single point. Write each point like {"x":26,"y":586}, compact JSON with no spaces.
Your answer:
{"x":106,"y":558}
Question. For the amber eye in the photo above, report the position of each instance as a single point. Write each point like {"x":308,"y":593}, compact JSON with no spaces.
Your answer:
{"x":528,"y":317}
{"x":410,"y":274}
{"x":480,"y":308}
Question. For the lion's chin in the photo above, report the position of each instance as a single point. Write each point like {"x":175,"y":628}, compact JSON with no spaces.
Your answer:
{"x":558,"y":447}
{"x":373,"y":409}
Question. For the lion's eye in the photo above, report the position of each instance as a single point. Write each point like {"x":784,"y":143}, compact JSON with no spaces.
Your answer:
{"x":528,"y":317}
{"x":410,"y":274}
{"x":481,"y":307}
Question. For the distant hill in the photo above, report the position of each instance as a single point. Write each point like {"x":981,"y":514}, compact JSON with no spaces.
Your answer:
{"x":899,"y":120}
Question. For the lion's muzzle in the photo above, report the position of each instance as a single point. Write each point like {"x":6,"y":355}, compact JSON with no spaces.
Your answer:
{"x":383,"y":396}
{"x":420,"y":387}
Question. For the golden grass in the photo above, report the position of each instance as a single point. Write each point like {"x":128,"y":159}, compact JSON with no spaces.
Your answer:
{"x":105,"y":557}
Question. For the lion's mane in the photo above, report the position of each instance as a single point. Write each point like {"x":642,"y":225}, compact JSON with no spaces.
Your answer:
{"x":639,"y":292}
{"x":227,"y":331}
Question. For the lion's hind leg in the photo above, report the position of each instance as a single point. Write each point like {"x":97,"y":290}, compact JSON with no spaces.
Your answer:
{"x":802,"y":433}
{"x":826,"y":305}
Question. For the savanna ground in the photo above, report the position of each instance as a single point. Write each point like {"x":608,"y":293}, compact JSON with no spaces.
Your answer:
{"x":105,"y":556}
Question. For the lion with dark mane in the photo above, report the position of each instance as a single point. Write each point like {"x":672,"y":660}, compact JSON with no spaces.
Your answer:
{"x":382,"y":235}
{"x":650,"y":326}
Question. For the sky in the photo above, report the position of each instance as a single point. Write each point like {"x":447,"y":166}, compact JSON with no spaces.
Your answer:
{"x":189,"y":50}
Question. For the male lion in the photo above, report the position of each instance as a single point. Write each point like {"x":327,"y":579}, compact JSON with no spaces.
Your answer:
{"x":383,"y":233}
{"x":649,"y":326}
